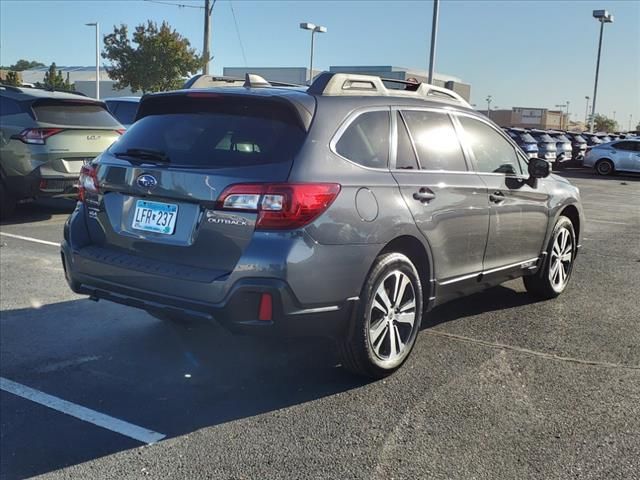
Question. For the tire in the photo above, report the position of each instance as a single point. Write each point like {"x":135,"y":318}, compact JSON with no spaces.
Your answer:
{"x":7,"y":202}
{"x":553,"y":277}
{"x":387,"y":320}
{"x":604,"y":167}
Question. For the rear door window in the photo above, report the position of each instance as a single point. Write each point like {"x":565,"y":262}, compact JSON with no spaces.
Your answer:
{"x":74,"y":114}
{"x":492,"y":152}
{"x":436,"y":140}
{"x":216,"y":132}
{"x":366,"y":140}
{"x":626,"y":146}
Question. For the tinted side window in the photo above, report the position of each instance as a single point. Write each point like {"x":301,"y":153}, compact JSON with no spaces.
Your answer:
{"x":366,"y":140}
{"x":626,"y":146}
{"x":9,"y":107}
{"x":435,"y":140}
{"x":405,"y":156}
{"x":493,"y":153}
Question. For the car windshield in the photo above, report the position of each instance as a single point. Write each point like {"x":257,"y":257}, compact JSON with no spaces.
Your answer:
{"x":562,"y":138}
{"x":579,"y":139}
{"x":544,"y":137}
{"x":526,"y":138}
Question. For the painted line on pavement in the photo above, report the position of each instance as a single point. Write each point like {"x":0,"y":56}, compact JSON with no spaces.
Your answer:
{"x":86,"y":414}
{"x":606,"y":221}
{"x":29,"y":239}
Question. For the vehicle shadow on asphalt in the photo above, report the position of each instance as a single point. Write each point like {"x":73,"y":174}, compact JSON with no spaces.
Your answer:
{"x":173,"y":378}
{"x":170,"y":378}
{"x":39,"y":211}
{"x":491,"y":300}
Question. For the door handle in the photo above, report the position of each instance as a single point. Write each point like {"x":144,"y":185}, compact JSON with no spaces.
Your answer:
{"x":497,"y":197}
{"x":424,"y":195}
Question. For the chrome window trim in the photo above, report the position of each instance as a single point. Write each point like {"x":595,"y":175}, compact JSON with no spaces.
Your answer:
{"x":350,"y":118}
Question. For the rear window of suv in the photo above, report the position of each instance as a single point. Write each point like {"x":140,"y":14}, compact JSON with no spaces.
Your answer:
{"x":74,"y":114}
{"x":215,"y":131}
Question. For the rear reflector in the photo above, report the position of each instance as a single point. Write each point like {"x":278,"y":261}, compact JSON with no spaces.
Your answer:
{"x":265,"y":312}
{"x":280,"y":206}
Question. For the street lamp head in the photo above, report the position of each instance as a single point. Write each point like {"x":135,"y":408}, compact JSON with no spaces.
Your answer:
{"x":91,"y":24}
{"x":320,"y":29}
{"x":603,"y":16}
{"x":307,"y":26}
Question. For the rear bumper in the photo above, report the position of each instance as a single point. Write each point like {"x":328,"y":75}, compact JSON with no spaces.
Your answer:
{"x":238,"y":311}
{"x":37,"y":185}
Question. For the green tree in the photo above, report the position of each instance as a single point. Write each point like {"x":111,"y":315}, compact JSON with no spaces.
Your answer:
{"x":12,"y":79}
{"x":638,"y":127}
{"x":602,"y":123}
{"x":53,"y":80}
{"x":160,"y":59}
{"x":23,"y":64}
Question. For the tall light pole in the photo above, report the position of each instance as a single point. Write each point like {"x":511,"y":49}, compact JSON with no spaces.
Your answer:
{"x":206,"y":55}
{"x":603,"y":17}
{"x":630,"y":117}
{"x":434,"y":34}
{"x":97,"y":25}
{"x":314,"y":29}
{"x":586,"y":112}
{"x":489,"y":99}
{"x":565,"y":105}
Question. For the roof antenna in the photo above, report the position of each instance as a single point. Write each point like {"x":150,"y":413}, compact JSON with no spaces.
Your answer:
{"x":252,"y":80}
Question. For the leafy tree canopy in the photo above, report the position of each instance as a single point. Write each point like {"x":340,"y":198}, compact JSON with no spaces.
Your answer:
{"x":602,"y":123}
{"x":53,"y":80}
{"x":23,"y":64}
{"x":155,"y":59}
{"x":12,"y":79}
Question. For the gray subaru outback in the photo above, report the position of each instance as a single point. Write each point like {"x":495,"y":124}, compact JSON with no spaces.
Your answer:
{"x":347,"y":209}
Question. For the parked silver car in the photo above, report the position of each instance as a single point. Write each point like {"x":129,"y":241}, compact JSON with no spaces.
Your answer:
{"x":623,"y":155}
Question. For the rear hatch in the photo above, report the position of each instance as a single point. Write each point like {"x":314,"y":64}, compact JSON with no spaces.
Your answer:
{"x":73,"y":131}
{"x":159,"y":183}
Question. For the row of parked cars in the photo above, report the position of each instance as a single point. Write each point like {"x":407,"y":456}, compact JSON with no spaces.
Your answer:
{"x":559,"y":147}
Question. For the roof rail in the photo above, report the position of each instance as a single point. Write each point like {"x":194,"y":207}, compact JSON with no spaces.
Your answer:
{"x":207,"y":81}
{"x":351,"y":84}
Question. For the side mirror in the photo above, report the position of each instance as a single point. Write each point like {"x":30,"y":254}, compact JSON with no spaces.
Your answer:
{"x":539,"y":168}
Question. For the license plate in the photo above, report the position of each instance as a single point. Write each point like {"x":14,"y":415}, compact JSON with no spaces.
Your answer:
{"x":155,"y":217}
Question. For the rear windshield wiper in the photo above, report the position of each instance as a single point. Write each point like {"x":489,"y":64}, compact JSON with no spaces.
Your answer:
{"x":144,"y":154}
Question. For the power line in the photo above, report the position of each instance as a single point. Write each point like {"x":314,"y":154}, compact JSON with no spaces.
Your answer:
{"x":181,"y":5}
{"x":235,"y":21}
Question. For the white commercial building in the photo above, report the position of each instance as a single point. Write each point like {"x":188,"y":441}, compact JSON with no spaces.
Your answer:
{"x":84,"y":79}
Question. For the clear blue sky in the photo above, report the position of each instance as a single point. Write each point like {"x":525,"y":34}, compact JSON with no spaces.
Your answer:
{"x":523,"y":53}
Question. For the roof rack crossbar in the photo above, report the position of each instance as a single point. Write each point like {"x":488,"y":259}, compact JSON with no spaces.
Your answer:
{"x":349,"y":84}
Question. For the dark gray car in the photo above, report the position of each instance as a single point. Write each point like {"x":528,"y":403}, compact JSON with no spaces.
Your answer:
{"x":347,"y":209}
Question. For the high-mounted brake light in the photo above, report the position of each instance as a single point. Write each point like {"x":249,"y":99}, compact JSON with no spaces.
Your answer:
{"x":36,"y":136}
{"x":88,"y":181}
{"x":280,"y":206}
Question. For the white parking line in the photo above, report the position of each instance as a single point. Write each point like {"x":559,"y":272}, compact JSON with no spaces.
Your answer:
{"x":606,"y":221}
{"x":29,"y":239}
{"x":101,"y":420}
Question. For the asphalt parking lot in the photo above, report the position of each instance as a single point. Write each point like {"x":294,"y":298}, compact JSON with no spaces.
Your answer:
{"x":499,"y":386}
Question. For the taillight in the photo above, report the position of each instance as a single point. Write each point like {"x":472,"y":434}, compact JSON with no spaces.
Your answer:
{"x":280,"y":206}
{"x":36,"y":136}
{"x":88,"y":181}
{"x":120,"y":131}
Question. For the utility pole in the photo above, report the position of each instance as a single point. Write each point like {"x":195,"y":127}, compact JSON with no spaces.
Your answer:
{"x":489,"y":100}
{"x":208,"y":9}
{"x":434,"y":34}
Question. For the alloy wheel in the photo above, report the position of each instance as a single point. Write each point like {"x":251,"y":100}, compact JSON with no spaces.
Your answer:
{"x":392,"y":316}
{"x":561,"y":259}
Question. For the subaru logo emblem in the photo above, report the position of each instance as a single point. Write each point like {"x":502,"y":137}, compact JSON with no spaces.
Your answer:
{"x":147,"y":181}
